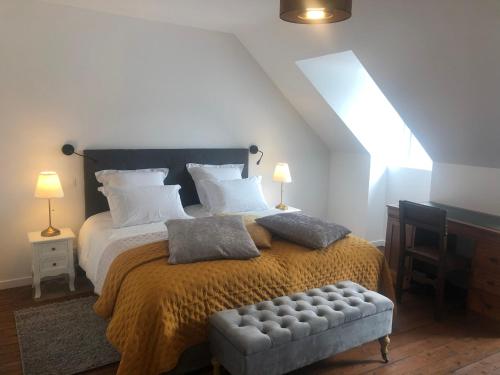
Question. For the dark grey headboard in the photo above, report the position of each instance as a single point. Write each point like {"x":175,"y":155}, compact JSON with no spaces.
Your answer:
{"x":175,"y":160}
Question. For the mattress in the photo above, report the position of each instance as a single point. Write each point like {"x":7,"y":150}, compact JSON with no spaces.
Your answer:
{"x":99,"y":243}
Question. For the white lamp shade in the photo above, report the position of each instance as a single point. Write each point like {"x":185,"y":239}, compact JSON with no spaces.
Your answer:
{"x":48,"y":186}
{"x":282,"y":173}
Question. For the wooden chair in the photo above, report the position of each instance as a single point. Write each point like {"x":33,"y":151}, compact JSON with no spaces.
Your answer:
{"x":429,"y":223}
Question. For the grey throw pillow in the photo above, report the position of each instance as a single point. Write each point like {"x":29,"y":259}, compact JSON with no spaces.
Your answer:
{"x":303,"y":229}
{"x":209,"y":238}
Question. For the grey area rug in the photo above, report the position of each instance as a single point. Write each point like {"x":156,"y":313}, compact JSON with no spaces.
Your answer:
{"x":63,"y":338}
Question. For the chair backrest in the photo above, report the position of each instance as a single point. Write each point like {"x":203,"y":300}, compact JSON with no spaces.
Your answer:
{"x":426,"y":217}
{"x":429,"y":219}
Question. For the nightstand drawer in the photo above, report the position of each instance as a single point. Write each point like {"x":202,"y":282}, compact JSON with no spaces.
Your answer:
{"x":53,"y":264}
{"x":54,"y":249}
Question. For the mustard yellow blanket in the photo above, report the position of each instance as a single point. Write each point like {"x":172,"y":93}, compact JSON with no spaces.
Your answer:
{"x":159,"y":310}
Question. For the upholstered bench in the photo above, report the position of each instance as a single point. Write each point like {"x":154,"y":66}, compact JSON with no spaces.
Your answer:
{"x":287,"y":333}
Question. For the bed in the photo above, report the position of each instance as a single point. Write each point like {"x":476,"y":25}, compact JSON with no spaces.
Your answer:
{"x":158,"y":312}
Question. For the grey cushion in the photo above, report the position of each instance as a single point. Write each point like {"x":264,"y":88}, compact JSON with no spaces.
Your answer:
{"x":209,"y":238}
{"x":303,"y":229}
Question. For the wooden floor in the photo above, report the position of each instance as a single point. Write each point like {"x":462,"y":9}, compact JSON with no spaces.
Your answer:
{"x":461,"y":344}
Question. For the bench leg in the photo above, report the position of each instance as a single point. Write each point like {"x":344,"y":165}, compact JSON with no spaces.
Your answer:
{"x":215,"y":366}
{"x":384,"y":347}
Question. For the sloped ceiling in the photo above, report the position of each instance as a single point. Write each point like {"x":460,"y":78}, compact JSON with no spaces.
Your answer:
{"x":436,"y":61}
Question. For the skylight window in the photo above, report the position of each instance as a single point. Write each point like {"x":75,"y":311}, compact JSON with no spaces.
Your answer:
{"x":347,"y":87}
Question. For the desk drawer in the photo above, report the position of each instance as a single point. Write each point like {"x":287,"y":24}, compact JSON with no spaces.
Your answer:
{"x":484,"y":303}
{"x":486,"y":281}
{"x":487,"y":257}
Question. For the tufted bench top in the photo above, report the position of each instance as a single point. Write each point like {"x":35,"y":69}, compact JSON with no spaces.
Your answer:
{"x":265,"y":325}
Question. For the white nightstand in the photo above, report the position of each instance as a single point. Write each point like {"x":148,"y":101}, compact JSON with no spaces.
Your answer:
{"x":52,"y":256}
{"x":289,"y":209}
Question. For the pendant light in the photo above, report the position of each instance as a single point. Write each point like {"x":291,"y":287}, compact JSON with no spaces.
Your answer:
{"x":315,"y":11}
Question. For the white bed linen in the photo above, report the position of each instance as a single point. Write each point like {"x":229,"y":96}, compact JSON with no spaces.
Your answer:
{"x":198,"y":210}
{"x":99,"y":243}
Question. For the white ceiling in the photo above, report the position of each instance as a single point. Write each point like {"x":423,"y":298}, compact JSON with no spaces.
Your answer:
{"x":436,"y":61}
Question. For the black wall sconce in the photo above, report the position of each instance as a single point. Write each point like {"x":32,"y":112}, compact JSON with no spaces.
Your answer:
{"x":255,"y":150}
{"x":69,"y":150}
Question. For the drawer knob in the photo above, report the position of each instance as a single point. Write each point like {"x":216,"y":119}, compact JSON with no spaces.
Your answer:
{"x":54,"y":264}
{"x":53,"y":249}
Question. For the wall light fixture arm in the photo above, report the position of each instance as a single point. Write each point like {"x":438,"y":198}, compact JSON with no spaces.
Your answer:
{"x":69,"y":150}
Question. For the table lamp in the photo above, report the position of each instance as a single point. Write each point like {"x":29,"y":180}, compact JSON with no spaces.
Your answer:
{"x":48,"y":186}
{"x":282,"y":175}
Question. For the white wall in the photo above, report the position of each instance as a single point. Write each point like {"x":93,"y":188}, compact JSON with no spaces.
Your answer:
{"x":405,"y":184}
{"x":102,"y":81}
{"x":474,"y":188}
{"x":349,"y":177}
{"x":361,"y":188}
{"x":393,"y":185}
{"x":377,"y":194}
{"x":408,"y":184}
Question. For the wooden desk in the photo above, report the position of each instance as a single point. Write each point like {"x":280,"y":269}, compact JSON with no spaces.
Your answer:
{"x":483,"y":231}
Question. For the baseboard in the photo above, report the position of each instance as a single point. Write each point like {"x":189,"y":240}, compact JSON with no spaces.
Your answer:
{"x":14,"y":283}
{"x":379,"y":243}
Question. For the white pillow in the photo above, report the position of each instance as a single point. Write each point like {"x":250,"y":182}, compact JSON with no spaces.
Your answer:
{"x":201,"y":172}
{"x":235,"y":195}
{"x":144,"y":204}
{"x":132,"y":178}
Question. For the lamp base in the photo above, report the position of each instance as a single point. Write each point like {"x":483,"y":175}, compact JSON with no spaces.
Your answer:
{"x":282,"y":207}
{"x":51,"y":232}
